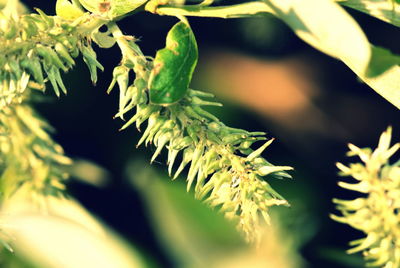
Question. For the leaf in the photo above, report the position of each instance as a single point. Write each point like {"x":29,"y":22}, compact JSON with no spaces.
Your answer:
{"x":385,"y":10}
{"x":326,"y":26}
{"x":49,"y":239}
{"x":111,"y":8}
{"x":103,"y":39}
{"x":381,"y":60}
{"x":122,"y":7}
{"x":91,"y":5}
{"x":383,"y":74}
{"x":173,"y":66}
{"x":192,"y":233}
{"x":67,"y":10}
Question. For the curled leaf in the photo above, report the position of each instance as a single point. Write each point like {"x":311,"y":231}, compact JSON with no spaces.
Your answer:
{"x":103,"y":39}
{"x":173,"y":66}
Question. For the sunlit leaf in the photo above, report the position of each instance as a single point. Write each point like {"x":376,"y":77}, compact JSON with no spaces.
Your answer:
{"x":329,"y":28}
{"x":66,"y":236}
{"x":67,"y":10}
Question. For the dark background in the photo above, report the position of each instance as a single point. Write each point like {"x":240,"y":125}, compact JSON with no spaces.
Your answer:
{"x":352,"y":112}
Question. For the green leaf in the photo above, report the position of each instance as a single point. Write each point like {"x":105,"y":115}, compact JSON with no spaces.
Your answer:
{"x":173,"y":66}
{"x":385,"y":10}
{"x":329,"y":28}
{"x":64,"y":220}
{"x":383,"y":75}
{"x":122,"y":7}
{"x":111,"y":8}
{"x":104,"y":40}
{"x":91,"y":5}
{"x":192,"y":233}
{"x":67,"y":10}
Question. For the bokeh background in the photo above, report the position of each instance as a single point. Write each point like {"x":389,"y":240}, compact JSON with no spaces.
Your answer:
{"x":268,"y":80}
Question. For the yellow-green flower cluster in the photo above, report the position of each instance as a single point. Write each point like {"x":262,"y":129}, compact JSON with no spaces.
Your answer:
{"x":223,"y":169}
{"x":376,"y":213}
{"x":28,"y":155}
{"x":34,"y":49}
{"x":37,"y":48}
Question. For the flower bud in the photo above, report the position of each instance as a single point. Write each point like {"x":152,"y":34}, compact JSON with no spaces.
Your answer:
{"x":160,"y":143}
{"x":194,"y":167}
{"x":187,"y":157}
{"x":259,"y":151}
{"x":172,"y":154}
{"x":266,"y":170}
{"x":182,"y":143}
{"x":90,"y":58}
{"x":33,"y":67}
{"x":50,"y":57}
{"x":64,"y":54}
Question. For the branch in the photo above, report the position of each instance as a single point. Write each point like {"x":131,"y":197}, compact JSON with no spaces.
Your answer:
{"x":234,"y":11}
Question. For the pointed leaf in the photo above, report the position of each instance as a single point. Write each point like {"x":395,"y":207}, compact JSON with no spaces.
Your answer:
{"x":174,"y":66}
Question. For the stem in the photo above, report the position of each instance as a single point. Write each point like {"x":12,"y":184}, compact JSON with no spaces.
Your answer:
{"x":121,"y":41}
{"x":206,"y":3}
{"x":129,"y":49}
{"x":92,"y":25}
{"x":235,"y":11}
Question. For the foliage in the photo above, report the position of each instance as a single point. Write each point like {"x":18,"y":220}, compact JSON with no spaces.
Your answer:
{"x":377,"y":212}
{"x":312,"y":21}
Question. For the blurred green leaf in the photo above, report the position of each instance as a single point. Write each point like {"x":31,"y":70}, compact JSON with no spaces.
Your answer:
{"x":66,"y":236}
{"x":13,"y":260}
{"x":191,"y":232}
{"x":386,"y":10}
{"x":329,"y":28}
{"x":340,"y":257}
{"x":88,"y":172}
{"x":382,"y":60}
{"x":196,"y":236}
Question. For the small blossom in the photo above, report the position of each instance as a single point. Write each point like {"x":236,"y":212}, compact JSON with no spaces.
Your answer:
{"x":377,"y":213}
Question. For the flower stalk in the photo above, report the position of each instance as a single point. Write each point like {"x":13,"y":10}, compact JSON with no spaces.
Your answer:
{"x":222,"y":168}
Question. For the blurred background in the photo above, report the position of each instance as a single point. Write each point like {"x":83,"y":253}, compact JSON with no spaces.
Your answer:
{"x":268,"y":80}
